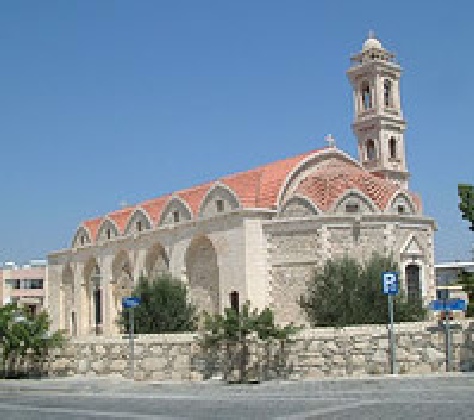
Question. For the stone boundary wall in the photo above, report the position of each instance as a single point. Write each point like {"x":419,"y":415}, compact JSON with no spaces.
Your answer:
{"x":312,"y":353}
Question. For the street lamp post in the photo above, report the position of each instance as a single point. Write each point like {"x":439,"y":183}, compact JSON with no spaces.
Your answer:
{"x":96,"y":283}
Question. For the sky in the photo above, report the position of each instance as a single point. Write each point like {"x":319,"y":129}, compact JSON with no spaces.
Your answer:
{"x":111,"y":102}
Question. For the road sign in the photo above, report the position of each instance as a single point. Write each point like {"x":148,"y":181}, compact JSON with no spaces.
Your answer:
{"x":448,"y":305}
{"x":130,"y":302}
{"x":390,"y":282}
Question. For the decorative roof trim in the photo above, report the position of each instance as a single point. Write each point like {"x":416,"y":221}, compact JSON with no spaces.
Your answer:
{"x":218,"y":184}
{"x":317,"y":156}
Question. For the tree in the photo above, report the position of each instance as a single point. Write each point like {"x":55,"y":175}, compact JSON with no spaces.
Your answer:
{"x":164,"y":307}
{"x":233,"y":330}
{"x":344,"y":292}
{"x":466,"y":280}
{"x":466,"y":205}
{"x":25,"y":340}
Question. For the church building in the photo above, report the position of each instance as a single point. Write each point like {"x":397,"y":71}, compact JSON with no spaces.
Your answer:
{"x":260,"y":234}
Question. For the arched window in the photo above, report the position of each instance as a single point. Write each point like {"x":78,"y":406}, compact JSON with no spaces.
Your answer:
{"x":392,"y":145}
{"x":370,"y":149}
{"x":366,"y":96}
{"x":412,"y":277}
{"x":387,"y":93}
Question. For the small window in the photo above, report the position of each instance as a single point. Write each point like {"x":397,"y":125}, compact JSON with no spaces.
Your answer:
{"x":366,"y":96}
{"x":392,"y":144}
{"x":387,"y":93}
{"x":220,"y":205}
{"x":109,"y":234}
{"x":370,"y":146}
{"x":352,"y":207}
{"x":176,"y":216}
{"x":139,"y":226}
{"x":82,"y":240}
{"x":401,"y":209}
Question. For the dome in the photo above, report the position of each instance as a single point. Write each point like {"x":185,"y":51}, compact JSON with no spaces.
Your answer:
{"x":371,"y":42}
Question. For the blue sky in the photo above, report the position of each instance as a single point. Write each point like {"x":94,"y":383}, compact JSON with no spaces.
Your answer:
{"x":104,"y":102}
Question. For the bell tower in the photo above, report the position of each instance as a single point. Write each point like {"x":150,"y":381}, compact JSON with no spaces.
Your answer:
{"x":378,"y":119}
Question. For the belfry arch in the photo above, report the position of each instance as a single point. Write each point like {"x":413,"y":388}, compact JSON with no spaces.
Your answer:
{"x":203,"y":274}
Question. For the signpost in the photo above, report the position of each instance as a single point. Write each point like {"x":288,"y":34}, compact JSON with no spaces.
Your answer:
{"x":130,"y":303}
{"x":390,"y":288}
{"x":448,"y":305}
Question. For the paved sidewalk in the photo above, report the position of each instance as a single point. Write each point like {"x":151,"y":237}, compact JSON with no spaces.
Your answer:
{"x":401,"y":397}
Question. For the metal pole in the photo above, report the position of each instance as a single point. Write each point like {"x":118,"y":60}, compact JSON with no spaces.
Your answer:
{"x":132,"y":349}
{"x":448,"y":343}
{"x":392,"y":335}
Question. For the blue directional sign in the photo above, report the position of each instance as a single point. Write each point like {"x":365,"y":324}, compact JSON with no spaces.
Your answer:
{"x":130,"y":302}
{"x":448,"y":305}
{"x":390,"y":282}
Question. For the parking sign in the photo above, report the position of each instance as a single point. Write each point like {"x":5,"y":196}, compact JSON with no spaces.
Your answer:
{"x":390,"y":282}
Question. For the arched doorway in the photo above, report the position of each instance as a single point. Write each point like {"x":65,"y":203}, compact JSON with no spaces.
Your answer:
{"x":68,"y":322}
{"x":413,"y":281}
{"x":93,"y":299}
{"x":203,"y":275}
{"x":156,"y":263}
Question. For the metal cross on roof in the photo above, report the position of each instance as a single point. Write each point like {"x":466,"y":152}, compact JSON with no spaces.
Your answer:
{"x":331,"y":141}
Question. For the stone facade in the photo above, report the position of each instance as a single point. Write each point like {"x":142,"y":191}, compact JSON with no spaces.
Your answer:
{"x":324,"y":352}
{"x":260,"y":233}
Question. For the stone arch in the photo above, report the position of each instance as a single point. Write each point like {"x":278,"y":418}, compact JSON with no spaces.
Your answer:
{"x":121,"y":284}
{"x":81,"y":237}
{"x":401,"y":200}
{"x":67,"y":301}
{"x":138,"y":221}
{"x":354,"y":197}
{"x":217,"y":192}
{"x":175,"y":205}
{"x":92,"y":301}
{"x":203,"y":274}
{"x":299,"y":206}
{"x":156,"y":262}
{"x":107,"y":230}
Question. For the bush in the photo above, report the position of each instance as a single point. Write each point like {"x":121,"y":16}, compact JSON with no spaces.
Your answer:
{"x":345,"y":292}
{"x":25,"y":341}
{"x":164,"y":307}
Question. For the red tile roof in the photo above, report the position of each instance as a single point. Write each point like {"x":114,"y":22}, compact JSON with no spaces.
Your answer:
{"x":93,"y":227}
{"x":327,"y":184}
{"x":120,"y":217}
{"x":259,"y":188}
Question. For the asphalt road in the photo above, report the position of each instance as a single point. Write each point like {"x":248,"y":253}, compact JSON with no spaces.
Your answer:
{"x":426,"y":397}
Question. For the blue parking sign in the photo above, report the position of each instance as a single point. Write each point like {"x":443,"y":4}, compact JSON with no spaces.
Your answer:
{"x":390,"y":282}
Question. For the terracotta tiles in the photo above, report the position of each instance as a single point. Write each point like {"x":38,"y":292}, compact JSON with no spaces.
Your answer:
{"x":328,"y":184}
{"x":121,"y":217}
{"x":154,"y":207}
{"x":92,"y":226}
{"x":193,"y":196}
{"x":259,"y":188}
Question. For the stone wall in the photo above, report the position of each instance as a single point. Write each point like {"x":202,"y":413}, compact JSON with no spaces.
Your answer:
{"x":361,"y":350}
{"x":297,"y":247}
